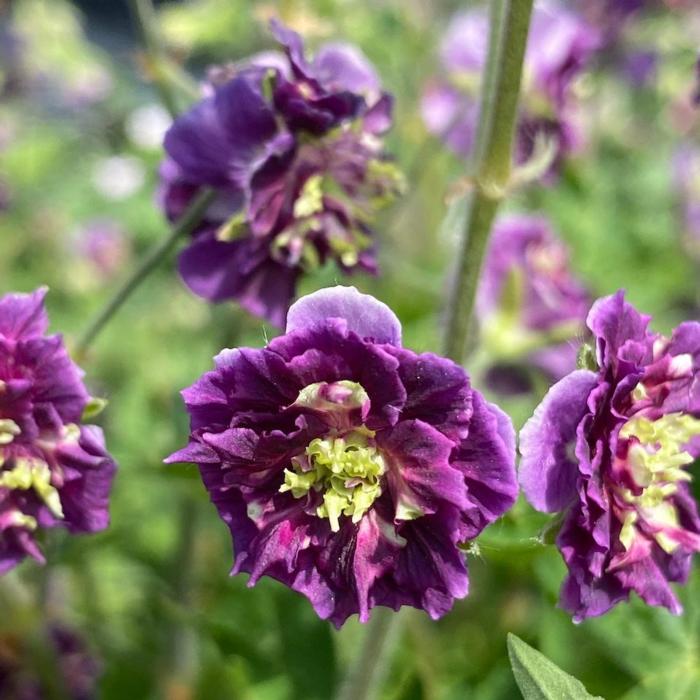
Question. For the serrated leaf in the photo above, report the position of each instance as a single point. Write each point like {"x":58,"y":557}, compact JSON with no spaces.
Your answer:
{"x":540,"y":679}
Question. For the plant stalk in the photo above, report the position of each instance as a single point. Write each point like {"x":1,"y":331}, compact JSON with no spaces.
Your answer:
{"x":184,"y":226}
{"x":510,"y":21}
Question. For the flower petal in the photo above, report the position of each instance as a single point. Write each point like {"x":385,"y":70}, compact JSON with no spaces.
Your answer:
{"x":548,"y":471}
{"x":368,"y":317}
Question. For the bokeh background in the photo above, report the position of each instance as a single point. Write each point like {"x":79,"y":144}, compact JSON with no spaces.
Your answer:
{"x":80,"y":141}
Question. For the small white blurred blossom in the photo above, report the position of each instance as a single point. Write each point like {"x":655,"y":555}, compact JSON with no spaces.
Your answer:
{"x":146,"y":125}
{"x":118,"y":177}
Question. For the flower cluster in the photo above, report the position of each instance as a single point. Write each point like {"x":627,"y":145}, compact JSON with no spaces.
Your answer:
{"x":531,"y":309}
{"x":293,"y":150}
{"x":559,"y":46}
{"x":610,"y":449}
{"x":54,"y":471}
{"x":346,"y":466}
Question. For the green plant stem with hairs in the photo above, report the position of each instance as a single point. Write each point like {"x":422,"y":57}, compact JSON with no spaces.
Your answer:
{"x":509,"y":24}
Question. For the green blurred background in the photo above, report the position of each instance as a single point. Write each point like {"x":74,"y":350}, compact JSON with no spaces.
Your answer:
{"x":80,"y":144}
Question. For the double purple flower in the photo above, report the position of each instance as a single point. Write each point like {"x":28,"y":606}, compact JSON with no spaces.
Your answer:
{"x":346,"y":466}
{"x":294,"y":151}
{"x":54,"y":471}
{"x":531,"y":308}
{"x":560,"y":45}
{"x":609,"y":449}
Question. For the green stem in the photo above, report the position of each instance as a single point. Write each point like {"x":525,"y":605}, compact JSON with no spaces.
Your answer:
{"x":364,"y":680}
{"x":495,"y":144}
{"x":184,"y":226}
{"x":145,"y":18}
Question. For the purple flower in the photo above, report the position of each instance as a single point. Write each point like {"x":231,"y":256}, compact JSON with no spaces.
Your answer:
{"x":686,"y":180}
{"x":294,"y":151}
{"x":559,"y":48}
{"x":346,"y":466}
{"x":102,"y":246}
{"x":54,"y":471}
{"x":531,"y":309}
{"x":609,"y":450}
{"x":78,"y":670}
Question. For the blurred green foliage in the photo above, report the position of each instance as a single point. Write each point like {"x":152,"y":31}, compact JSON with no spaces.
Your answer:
{"x":152,"y":594}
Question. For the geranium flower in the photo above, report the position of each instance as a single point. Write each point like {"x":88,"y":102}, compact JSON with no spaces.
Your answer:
{"x":54,"y":471}
{"x":560,"y":45}
{"x":294,"y":151}
{"x":609,"y":449}
{"x":346,"y":466}
{"x":530,"y":306}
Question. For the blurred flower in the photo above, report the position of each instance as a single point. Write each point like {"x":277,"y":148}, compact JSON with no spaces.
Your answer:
{"x":46,"y":54}
{"x":78,"y":671}
{"x":609,"y":448}
{"x":118,"y":177}
{"x":639,"y":67}
{"x":102,"y":248}
{"x":531,"y":309}
{"x":347,"y":467}
{"x":610,"y":16}
{"x":686,"y":180}
{"x":147,"y":125}
{"x":294,"y":152}
{"x":559,"y":47}
{"x":54,"y":472}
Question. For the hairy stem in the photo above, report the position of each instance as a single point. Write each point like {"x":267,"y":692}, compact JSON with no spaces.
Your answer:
{"x":184,"y":226}
{"x":510,"y":20}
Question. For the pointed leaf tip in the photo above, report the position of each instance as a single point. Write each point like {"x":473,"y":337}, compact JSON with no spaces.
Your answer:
{"x":540,"y":679}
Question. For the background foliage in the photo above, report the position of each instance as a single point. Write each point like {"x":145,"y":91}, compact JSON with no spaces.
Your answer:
{"x":79,"y":143}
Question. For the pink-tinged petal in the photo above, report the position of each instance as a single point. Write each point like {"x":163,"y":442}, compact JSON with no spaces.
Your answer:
{"x":370,"y":318}
{"x":419,"y":473}
{"x":548,"y":469}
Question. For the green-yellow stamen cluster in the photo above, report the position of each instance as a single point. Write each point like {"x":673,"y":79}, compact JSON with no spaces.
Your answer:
{"x":346,"y":469}
{"x":656,"y":459}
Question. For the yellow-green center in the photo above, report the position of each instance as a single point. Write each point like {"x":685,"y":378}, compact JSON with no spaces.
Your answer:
{"x":656,"y":460}
{"x":347,"y":470}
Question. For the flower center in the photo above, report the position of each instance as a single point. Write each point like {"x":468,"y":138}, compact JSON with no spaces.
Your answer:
{"x":347,"y":470}
{"x":656,"y":459}
{"x":32,"y":473}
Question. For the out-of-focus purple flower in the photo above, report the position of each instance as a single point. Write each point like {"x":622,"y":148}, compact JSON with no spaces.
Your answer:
{"x":103,"y":245}
{"x":346,"y":466}
{"x":559,"y":47}
{"x":608,"y":449}
{"x":78,"y":670}
{"x":639,"y":67}
{"x":54,"y":470}
{"x":686,"y":180}
{"x":294,"y":150}
{"x":531,"y":309}
{"x":696,"y":90}
{"x":610,"y":16}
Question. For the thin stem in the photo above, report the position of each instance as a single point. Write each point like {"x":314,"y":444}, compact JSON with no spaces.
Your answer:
{"x":496,"y":129}
{"x":184,"y":226}
{"x":145,"y":18}
{"x":364,"y":680}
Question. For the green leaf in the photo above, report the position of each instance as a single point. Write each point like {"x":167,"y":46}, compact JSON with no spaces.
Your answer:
{"x":538,"y":678}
